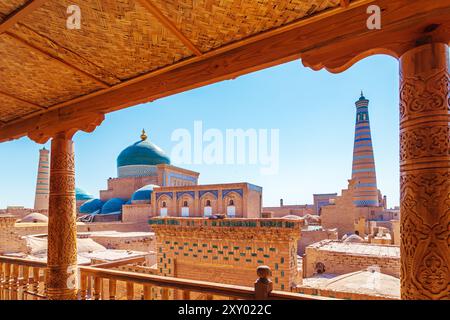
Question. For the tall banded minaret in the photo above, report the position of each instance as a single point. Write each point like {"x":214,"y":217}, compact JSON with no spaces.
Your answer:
{"x":363,"y":169}
{"x":43,"y":179}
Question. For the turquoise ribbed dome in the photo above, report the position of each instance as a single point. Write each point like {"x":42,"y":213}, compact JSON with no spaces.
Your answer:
{"x":143,"y":194}
{"x":80,"y":194}
{"x":91,"y":206}
{"x":113,"y":205}
{"x":142,"y":152}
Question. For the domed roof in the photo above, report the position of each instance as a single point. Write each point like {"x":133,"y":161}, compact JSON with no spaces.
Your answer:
{"x":35,"y":217}
{"x":91,"y":206}
{"x":292,"y":217}
{"x":80,"y":194}
{"x":143,"y":194}
{"x":353,"y":238}
{"x":113,"y":205}
{"x":142,"y":152}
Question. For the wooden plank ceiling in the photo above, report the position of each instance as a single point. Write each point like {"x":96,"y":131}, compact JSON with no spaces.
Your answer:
{"x":132,"y":51}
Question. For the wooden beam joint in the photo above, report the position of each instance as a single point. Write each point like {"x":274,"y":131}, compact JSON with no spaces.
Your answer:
{"x":19,"y":14}
{"x":170,"y":25}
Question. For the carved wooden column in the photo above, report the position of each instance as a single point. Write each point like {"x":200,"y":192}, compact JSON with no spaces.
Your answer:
{"x":425,"y":172}
{"x":62,"y":229}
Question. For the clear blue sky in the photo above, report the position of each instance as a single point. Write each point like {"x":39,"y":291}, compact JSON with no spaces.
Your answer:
{"x":314,"y":112}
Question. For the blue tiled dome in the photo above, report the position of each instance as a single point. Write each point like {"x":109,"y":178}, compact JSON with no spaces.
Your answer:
{"x":112,"y":206}
{"x":80,"y":194}
{"x":142,"y":152}
{"x":91,"y":206}
{"x":143,"y":194}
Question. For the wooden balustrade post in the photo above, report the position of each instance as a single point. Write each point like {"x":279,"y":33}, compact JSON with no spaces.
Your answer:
{"x":97,"y":286}
{"x":15,"y":282}
{"x":425,"y":172}
{"x":83,"y":286}
{"x":62,"y":277}
{"x":263,"y":285}
{"x":2,"y":279}
{"x":130,"y":291}
{"x":147,"y":292}
{"x":112,"y":288}
{"x":186,"y":295}
{"x":36,"y":276}
{"x":7,"y":279}
{"x":164,"y":293}
{"x":25,"y":281}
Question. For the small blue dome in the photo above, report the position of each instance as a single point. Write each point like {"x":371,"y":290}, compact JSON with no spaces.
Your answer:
{"x":113,"y":205}
{"x":143,"y":194}
{"x":80,"y":194}
{"x":142,"y":152}
{"x":91,"y":206}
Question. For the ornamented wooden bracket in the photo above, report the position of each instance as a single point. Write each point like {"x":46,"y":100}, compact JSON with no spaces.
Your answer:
{"x":392,"y":39}
{"x":67,"y":123}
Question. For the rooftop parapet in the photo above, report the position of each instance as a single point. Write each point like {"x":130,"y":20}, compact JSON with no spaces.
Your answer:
{"x":7,"y":221}
{"x":287,"y":226}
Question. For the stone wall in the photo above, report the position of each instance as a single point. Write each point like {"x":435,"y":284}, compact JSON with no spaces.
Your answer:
{"x":10,"y":241}
{"x":312,"y":236}
{"x":294,"y":210}
{"x":228,"y":250}
{"x":136,"y":212}
{"x":344,"y":215}
{"x":24,"y":229}
{"x":341,"y":258}
{"x":124,"y":242}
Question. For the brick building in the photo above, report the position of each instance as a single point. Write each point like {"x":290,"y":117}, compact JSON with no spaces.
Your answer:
{"x":228,"y":250}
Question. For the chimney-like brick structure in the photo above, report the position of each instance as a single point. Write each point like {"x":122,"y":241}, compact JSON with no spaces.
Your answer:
{"x":43,"y":179}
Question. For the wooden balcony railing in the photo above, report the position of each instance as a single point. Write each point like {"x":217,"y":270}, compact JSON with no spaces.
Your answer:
{"x":22,"y":279}
{"x":105,"y":284}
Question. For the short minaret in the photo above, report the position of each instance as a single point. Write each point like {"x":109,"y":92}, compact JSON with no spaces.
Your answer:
{"x":363,"y":169}
{"x":43,"y":179}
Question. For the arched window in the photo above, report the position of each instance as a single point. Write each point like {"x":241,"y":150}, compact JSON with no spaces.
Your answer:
{"x":231,"y":209}
{"x":164,"y":204}
{"x":208,"y":203}
{"x":185,"y":204}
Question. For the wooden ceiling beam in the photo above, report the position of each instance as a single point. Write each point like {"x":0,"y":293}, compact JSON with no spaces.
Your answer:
{"x":346,"y":32}
{"x":169,"y":25}
{"x":19,"y":14}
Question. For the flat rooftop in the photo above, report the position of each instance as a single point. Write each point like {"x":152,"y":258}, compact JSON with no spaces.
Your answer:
{"x":364,"y":249}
